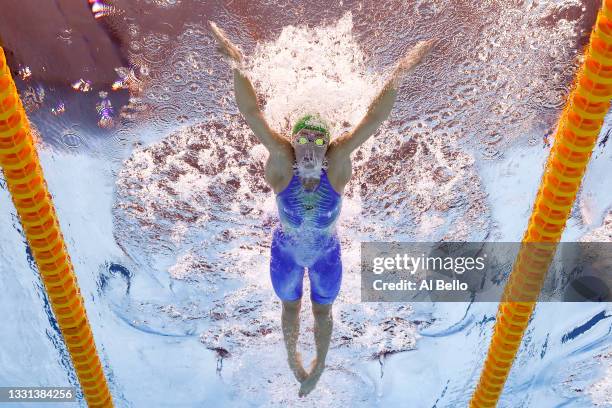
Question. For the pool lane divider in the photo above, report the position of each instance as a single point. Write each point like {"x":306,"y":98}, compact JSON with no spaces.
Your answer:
{"x":28,"y":189}
{"x":575,"y":138}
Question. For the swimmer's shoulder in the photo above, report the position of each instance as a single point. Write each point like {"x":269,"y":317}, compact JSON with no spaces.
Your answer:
{"x":278,"y":171}
{"x":339,"y":168}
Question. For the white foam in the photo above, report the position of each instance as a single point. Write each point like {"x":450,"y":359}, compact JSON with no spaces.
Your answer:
{"x":319,"y":70}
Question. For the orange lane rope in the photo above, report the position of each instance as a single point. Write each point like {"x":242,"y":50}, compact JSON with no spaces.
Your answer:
{"x":28,"y":188}
{"x":575,"y":138}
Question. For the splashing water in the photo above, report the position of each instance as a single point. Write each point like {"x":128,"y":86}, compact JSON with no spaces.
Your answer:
{"x":309,"y":173}
{"x":321,"y":69}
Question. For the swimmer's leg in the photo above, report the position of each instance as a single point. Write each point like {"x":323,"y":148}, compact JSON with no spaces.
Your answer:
{"x":323,"y":329}
{"x":290,"y":320}
{"x":325,"y":279}
{"x":287,"y":278}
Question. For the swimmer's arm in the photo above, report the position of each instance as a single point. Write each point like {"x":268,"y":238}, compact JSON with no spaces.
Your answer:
{"x":381,"y":106}
{"x":246,"y":98}
{"x":377,"y":113}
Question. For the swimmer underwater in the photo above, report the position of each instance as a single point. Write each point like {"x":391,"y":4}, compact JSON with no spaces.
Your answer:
{"x":308,"y":172}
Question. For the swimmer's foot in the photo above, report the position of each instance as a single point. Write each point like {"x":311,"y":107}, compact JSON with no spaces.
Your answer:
{"x":309,"y":384}
{"x":297,"y":368}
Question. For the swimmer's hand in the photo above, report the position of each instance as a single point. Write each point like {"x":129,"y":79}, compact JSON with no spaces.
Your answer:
{"x":381,"y":105}
{"x":224,"y":45}
{"x":411,"y":60}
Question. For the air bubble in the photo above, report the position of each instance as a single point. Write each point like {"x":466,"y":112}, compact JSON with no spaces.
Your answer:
{"x":70,"y":138}
{"x":65,"y":35}
{"x":178,"y":78}
{"x":135,"y":46}
{"x":193,"y":88}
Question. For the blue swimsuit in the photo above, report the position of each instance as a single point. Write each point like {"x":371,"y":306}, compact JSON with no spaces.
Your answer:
{"x":307,"y":238}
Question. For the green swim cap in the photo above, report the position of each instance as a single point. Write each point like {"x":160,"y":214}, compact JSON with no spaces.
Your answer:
{"x":311,"y":122}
